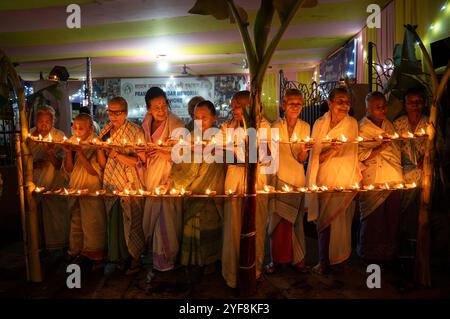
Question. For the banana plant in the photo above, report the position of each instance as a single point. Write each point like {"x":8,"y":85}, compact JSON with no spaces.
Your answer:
{"x":259,"y":50}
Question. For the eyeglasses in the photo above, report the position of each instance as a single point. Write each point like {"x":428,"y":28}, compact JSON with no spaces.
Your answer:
{"x":115,"y":113}
{"x":295,"y":104}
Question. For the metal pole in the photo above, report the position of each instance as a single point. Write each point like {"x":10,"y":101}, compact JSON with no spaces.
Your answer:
{"x":280,"y":91}
{"x":89,"y":85}
{"x":23,"y":215}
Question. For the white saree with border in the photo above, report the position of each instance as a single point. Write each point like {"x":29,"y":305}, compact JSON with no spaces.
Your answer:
{"x":341,"y":169}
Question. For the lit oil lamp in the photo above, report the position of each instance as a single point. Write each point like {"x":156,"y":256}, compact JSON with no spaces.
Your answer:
{"x":286,"y":188}
{"x":395,"y":136}
{"x":294,"y":138}
{"x":341,"y":188}
{"x":173,"y":191}
{"x":64,"y":138}
{"x":386,"y":186}
{"x":40,"y":137}
{"x":50,"y":138}
{"x":327,"y":139}
{"x":39,"y":189}
{"x":324,"y":188}
{"x":230,"y":192}
{"x":126,"y":191}
{"x":97,"y":193}
{"x":314,"y":188}
{"x":355,"y":186}
{"x":409,"y":135}
{"x":79,"y":192}
{"x":29,"y":135}
{"x":303,"y":189}
{"x":266,"y":189}
{"x":124,"y":141}
{"x":182,"y":191}
{"x":141,"y":192}
{"x":66,"y":192}
{"x":114,"y":192}
{"x":359,"y":139}
{"x":208,"y":192}
{"x":343,"y":138}
{"x":369,"y":187}
{"x":78,"y":140}
{"x":400,"y":186}
{"x":94,"y":141}
{"x":157,"y":191}
{"x":108,"y":141}
{"x":139,"y":142}
{"x":307,"y":139}
{"x":160,"y":142}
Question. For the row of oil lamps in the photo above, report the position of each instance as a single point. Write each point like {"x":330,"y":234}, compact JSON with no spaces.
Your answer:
{"x":294,"y":139}
{"x":286,"y":189}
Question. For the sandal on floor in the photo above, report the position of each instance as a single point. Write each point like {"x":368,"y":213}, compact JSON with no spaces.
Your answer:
{"x":270,"y":269}
{"x":301,"y":267}
{"x":135,"y":267}
{"x":320,"y":269}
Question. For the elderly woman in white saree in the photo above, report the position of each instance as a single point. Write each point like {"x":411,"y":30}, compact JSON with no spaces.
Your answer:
{"x":83,"y":168}
{"x":285,"y":227}
{"x":125,"y":235}
{"x":235,"y":181}
{"x":380,"y":210}
{"x":333,"y":165}
{"x":47,"y":173}
{"x":162,"y":222}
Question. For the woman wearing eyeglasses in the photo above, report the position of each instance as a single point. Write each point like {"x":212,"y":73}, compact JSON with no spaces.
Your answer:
{"x":414,"y":121}
{"x":333,"y":165}
{"x":162,"y":221}
{"x":125,"y":236}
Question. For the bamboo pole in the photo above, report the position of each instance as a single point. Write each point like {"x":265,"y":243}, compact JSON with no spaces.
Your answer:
{"x":422,"y":273}
{"x":23,"y":216}
{"x":34,"y":262}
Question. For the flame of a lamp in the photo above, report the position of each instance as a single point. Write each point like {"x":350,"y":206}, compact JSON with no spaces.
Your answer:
{"x":108,"y":141}
{"x":343,"y":138}
{"x":139,"y":141}
{"x":324,"y":188}
{"x":141,"y":191}
{"x":124,"y":141}
{"x":182,"y":191}
{"x":396,"y":135}
{"x":266,"y":188}
{"x":40,"y":137}
{"x":159,"y":142}
{"x":414,"y":185}
{"x":50,"y":137}
{"x":208,"y":191}
{"x":78,"y":140}
{"x":410,"y":134}
{"x":97,"y":193}
{"x":66,"y":191}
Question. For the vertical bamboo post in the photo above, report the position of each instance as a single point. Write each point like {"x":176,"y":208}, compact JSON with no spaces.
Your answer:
{"x":34,"y":262}
{"x":23,"y":216}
